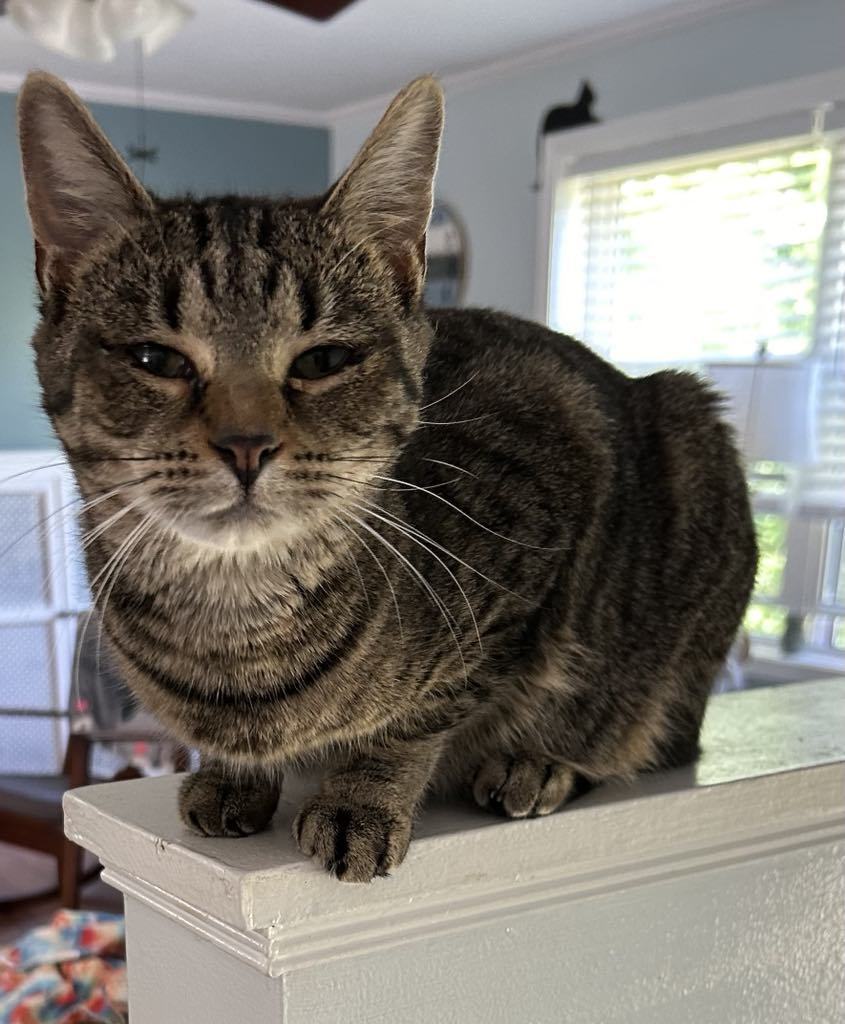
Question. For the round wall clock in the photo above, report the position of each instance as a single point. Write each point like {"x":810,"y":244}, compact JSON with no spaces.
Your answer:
{"x":446,"y":258}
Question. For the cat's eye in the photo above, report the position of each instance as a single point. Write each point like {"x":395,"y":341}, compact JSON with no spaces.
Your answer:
{"x":321,"y":361}
{"x":162,"y":361}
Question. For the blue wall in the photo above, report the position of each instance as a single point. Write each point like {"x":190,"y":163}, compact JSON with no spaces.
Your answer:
{"x":201,"y":154}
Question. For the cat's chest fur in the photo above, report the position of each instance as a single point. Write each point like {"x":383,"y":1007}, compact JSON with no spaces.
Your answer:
{"x":235,"y":657}
{"x":207,"y":604}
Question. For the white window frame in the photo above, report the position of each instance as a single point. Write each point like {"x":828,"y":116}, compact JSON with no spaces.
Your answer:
{"x":560,"y":151}
{"x":730,"y":113}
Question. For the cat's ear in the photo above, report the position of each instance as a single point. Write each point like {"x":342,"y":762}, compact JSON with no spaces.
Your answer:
{"x":386,"y":195}
{"x":78,"y":188}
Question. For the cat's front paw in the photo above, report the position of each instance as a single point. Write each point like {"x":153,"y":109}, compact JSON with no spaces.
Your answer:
{"x":214,"y":804}
{"x":522,"y":786}
{"x":355,"y":842}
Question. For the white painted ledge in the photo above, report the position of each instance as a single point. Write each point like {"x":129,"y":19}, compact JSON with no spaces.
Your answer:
{"x":708,"y":894}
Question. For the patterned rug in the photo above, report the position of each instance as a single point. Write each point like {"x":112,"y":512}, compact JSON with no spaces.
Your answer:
{"x":71,"y":971}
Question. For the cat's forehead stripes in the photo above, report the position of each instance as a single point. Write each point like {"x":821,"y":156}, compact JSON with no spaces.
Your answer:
{"x":171,"y":296}
{"x":307,"y":304}
{"x":248,"y":257}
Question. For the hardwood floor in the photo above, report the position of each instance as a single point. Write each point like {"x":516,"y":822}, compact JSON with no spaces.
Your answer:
{"x":22,"y":871}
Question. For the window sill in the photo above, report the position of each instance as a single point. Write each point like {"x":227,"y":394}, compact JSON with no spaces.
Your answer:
{"x":769,"y":665}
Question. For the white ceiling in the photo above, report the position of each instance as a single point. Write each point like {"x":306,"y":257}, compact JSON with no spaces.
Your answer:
{"x":248,"y":57}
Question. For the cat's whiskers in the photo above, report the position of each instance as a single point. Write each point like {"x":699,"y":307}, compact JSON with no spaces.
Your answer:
{"x":321,"y":474}
{"x":338,"y":522}
{"x":452,"y":576}
{"x":121,"y":488}
{"x":451,"y":465}
{"x":83,"y":454}
{"x":403,"y":484}
{"x":122,"y":458}
{"x":454,"y":423}
{"x":466,"y":515}
{"x":33,"y":469}
{"x":134,"y":538}
{"x":89,"y":536}
{"x":384,"y":573}
{"x":400,"y":524}
{"x":449,"y":394}
{"x":431,"y":487}
{"x":87,"y":504}
{"x":107,"y":524}
{"x":429,"y":540}
{"x":356,"y":458}
{"x":432,"y":593}
{"x":335,"y":457}
{"x":358,"y":572}
{"x":361,"y":455}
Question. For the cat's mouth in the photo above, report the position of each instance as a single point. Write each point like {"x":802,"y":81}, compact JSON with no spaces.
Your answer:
{"x":240,"y":522}
{"x":245,"y":510}
{"x":239,"y":526}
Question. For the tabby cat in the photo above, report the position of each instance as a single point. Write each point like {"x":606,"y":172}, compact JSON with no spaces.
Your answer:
{"x":327,"y":526}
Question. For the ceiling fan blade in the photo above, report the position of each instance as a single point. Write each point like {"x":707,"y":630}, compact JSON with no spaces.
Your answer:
{"x":319,"y":10}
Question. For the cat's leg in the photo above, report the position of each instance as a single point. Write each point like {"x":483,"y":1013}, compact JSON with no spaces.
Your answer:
{"x":524,"y":785}
{"x":552,"y":762}
{"x":359,"y":825}
{"x":218,"y":802}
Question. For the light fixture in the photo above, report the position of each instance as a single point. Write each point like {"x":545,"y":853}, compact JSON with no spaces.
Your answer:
{"x":151,"y":21}
{"x":91,"y":29}
{"x":771,"y":405}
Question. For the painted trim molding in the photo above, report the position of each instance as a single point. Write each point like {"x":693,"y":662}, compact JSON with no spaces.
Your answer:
{"x":185,"y":103}
{"x":708,"y":893}
{"x":808,"y":816}
{"x":770,"y":783}
{"x":625,"y":30}
{"x":685,"y":12}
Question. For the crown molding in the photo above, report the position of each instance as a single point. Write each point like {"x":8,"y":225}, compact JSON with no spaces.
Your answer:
{"x":686,"y":12}
{"x":185,"y":103}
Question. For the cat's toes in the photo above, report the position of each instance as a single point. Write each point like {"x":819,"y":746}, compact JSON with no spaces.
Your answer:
{"x":522,"y":786}
{"x":354,"y":842}
{"x":215,"y":805}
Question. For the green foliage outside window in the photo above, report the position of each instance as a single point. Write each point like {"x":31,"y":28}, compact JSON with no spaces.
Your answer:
{"x":762,"y":619}
{"x":749,"y":227}
{"x":771,"y":541}
{"x":767,"y":620}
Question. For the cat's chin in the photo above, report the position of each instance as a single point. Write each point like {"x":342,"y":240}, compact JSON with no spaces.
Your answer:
{"x":240,"y":528}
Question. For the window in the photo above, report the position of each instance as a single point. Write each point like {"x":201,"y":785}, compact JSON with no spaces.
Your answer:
{"x":727,"y":244}
{"x":668,"y":248}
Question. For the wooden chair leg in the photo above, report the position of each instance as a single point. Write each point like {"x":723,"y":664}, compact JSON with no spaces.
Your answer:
{"x":70,"y":862}
{"x":77,"y":759}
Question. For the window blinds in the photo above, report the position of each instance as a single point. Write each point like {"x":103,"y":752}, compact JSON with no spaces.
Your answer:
{"x":823,"y":483}
{"x":713,"y":256}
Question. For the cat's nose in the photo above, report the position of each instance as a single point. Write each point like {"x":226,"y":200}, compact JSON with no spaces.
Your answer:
{"x":246,"y":455}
